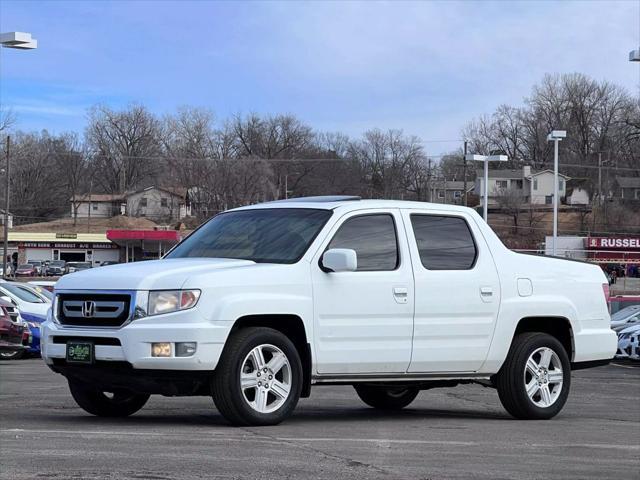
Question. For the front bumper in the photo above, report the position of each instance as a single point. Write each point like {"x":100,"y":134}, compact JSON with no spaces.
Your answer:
{"x":132,"y":342}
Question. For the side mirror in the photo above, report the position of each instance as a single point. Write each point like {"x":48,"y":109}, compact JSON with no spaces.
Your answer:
{"x":7,"y":299}
{"x":340,"y":260}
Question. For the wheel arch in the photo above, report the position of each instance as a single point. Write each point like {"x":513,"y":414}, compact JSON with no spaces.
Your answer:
{"x":558,"y":327}
{"x":290,"y":325}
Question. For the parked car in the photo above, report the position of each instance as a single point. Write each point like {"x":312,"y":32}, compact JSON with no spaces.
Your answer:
{"x":39,"y":266}
{"x":263,"y":302}
{"x":629,"y":343}
{"x":26,"y":270}
{"x":9,"y":270}
{"x":11,"y":334}
{"x":625,"y":317}
{"x":32,"y":302}
{"x":44,"y":286}
{"x":618,"y":302}
{"x":106,"y":263}
{"x":56,"y":268}
{"x":77,"y":266}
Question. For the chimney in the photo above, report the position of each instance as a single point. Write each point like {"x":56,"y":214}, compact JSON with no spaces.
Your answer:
{"x":526,"y":171}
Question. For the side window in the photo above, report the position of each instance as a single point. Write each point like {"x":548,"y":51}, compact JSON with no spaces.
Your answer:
{"x":373,"y":237}
{"x":444,"y":243}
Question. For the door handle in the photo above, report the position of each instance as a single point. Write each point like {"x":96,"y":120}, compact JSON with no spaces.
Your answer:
{"x":486,"y":291}
{"x":400,"y":294}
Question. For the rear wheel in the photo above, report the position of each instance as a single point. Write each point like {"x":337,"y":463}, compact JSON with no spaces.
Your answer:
{"x":533,"y":383}
{"x":386,"y":398}
{"x":120,"y":403}
{"x":258,"y":379}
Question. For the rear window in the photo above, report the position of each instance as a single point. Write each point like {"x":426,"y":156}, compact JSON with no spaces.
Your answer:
{"x":444,"y":243}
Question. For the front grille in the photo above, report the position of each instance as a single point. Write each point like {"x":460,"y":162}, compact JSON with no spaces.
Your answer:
{"x":93,"y":309}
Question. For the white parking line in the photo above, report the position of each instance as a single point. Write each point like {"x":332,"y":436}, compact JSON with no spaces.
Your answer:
{"x":264,"y":438}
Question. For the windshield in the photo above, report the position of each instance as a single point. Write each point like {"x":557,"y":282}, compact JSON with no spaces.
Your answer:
{"x":57,"y":263}
{"x":43,"y":292}
{"x":26,"y":266}
{"x":278,"y":235}
{"x":22,"y":293}
{"x":35,"y":262}
{"x":79,"y":264}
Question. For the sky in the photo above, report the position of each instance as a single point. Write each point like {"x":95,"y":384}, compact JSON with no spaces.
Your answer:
{"x":424,"y":67}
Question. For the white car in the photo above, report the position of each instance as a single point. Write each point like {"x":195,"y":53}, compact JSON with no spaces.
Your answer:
{"x":32,"y":302}
{"x":625,"y":317}
{"x":629,"y":343}
{"x":263,"y":302}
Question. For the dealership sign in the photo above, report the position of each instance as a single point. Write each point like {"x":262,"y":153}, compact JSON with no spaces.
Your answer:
{"x":629,"y":243}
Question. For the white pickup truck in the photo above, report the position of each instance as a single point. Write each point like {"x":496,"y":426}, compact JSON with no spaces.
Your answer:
{"x":262,"y":302}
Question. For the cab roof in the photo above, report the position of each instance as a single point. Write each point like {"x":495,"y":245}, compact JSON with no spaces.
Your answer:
{"x":349,"y":203}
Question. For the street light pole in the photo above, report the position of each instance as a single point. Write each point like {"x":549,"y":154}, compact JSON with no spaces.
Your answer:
{"x":20,"y":41}
{"x":486,"y":159}
{"x":6,"y":213}
{"x":555,"y":136}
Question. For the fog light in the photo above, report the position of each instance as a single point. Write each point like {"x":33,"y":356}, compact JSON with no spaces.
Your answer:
{"x":160,"y":349}
{"x":185,"y":349}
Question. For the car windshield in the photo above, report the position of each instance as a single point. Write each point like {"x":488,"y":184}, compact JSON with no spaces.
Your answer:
{"x":79,"y":264}
{"x":26,"y":265}
{"x":34,"y":262}
{"x":22,"y":293}
{"x":270,"y":235}
{"x":43,"y":292}
{"x":57,"y":263}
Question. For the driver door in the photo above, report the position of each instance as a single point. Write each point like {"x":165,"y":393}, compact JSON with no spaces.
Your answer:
{"x":363,"y":320}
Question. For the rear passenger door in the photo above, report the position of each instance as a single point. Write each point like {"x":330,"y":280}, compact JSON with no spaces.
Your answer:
{"x":363,"y":320}
{"x":457,"y":292}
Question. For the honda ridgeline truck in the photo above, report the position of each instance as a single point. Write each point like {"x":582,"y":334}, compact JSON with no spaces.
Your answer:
{"x":262,"y":302}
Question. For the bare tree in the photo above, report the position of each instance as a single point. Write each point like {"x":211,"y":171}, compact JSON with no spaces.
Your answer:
{"x":124,"y":146}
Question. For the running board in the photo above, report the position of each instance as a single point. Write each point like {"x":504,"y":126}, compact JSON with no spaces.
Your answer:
{"x":406,"y":377}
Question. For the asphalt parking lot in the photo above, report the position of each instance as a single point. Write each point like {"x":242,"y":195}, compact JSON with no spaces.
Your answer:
{"x":460,"y":432}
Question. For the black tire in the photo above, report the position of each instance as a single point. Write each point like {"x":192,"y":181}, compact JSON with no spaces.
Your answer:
{"x":15,"y":355}
{"x":386,"y":398}
{"x":227,"y":394}
{"x":510,"y":380}
{"x":121,"y":404}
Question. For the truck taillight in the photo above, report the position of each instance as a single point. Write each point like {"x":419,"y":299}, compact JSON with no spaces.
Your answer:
{"x":607,"y":294}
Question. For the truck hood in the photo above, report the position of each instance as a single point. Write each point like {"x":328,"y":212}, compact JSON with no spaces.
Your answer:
{"x":148,"y":275}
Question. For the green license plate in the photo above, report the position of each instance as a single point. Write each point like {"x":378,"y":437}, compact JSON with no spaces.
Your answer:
{"x":79,"y":352}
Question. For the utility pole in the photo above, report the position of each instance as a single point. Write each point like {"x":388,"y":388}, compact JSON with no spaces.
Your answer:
{"x":464,"y":173}
{"x":6,"y":213}
{"x":429,"y":181}
{"x":600,"y":177}
{"x":89,"y":211}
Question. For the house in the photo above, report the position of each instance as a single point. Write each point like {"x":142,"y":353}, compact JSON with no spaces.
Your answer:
{"x":450,"y":191}
{"x":97,"y":205}
{"x":627,"y":188}
{"x":9,"y":219}
{"x":579,"y":191}
{"x":536,"y":188}
{"x":157,"y":203}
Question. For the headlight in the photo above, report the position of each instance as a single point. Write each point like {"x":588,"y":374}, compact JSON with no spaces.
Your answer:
{"x":166,"y":301}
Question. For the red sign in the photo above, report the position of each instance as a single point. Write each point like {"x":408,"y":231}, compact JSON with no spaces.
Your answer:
{"x":616,"y":243}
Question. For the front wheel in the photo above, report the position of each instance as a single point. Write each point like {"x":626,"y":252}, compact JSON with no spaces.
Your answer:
{"x":258,"y":380}
{"x":533,"y":383}
{"x":15,"y":355}
{"x":120,"y":403}
{"x":386,"y":398}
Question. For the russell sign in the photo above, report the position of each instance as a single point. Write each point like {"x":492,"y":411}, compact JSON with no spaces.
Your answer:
{"x":623,"y":250}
